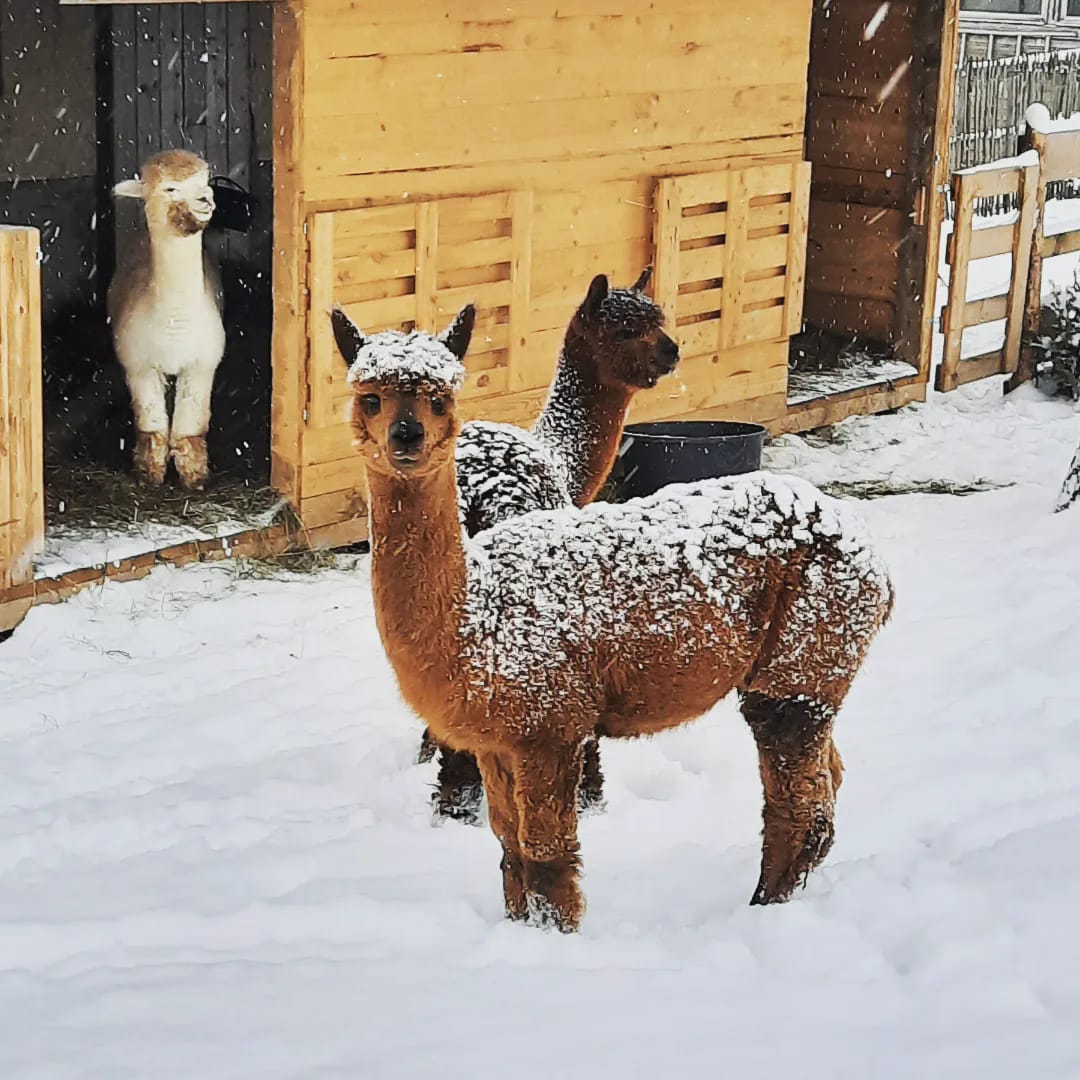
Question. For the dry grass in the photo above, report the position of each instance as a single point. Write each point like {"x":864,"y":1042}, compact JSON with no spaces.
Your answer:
{"x":879,"y":489}
{"x":80,"y":496}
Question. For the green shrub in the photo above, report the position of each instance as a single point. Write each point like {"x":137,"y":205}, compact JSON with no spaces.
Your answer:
{"x":1057,"y":348}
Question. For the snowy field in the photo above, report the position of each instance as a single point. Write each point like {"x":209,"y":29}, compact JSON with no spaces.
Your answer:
{"x":217,"y":858}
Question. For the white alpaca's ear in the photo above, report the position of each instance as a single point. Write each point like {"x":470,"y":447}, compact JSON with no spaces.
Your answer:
{"x":129,"y":189}
{"x":347,"y":335}
{"x":458,"y":334}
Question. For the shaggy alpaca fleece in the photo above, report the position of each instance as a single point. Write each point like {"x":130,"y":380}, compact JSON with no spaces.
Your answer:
{"x":544,"y":589}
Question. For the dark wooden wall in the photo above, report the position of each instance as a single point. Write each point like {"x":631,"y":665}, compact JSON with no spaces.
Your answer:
{"x":195,"y":76}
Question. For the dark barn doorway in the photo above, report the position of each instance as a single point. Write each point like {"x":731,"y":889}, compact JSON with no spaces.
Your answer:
{"x":87,"y":93}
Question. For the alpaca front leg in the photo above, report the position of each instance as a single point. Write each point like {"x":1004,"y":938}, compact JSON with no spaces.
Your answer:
{"x":800,"y":772}
{"x":151,"y":456}
{"x":190,"y":422}
{"x":498,"y":774}
{"x":546,"y":786}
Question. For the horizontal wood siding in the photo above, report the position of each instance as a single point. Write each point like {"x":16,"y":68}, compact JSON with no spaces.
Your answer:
{"x":506,"y":153}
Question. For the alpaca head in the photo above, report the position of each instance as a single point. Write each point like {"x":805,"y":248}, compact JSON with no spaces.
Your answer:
{"x":404,"y":387}
{"x":176,"y":193}
{"x":624,"y":333}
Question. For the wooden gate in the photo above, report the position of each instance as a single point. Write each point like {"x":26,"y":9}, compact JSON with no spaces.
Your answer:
{"x":22,"y":501}
{"x":968,"y":244}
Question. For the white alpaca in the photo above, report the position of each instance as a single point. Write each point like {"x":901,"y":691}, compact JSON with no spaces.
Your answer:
{"x":165,"y":308}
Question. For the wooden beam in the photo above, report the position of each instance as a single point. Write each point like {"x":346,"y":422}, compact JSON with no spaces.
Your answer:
{"x":289,"y":344}
{"x":22,"y":483}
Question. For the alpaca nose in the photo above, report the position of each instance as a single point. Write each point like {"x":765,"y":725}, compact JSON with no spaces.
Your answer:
{"x":669,"y":351}
{"x":406,"y":434}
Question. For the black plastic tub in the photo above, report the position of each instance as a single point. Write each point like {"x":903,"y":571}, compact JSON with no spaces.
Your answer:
{"x":682,"y":451}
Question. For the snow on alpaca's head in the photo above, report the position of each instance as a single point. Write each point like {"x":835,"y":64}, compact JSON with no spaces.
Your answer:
{"x":410,"y":360}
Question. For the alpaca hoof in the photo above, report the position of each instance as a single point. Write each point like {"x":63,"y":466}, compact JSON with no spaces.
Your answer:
{"x":591,"y":802}
{"x":541,"y":913}
{"x":461,"y":804}
{"x":777,"y":886}
{"x":191,"y":461}
{"x":151,"y":457}
{"x":428,"y":746}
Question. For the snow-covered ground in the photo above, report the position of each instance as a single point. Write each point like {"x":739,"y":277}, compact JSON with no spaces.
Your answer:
{"x":217,"y":859}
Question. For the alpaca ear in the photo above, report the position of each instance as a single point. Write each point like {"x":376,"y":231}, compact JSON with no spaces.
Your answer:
{"x":643,"y":281}
{"x":348,"y":337}
{"x":597,"y":294}
{"x":458,"y":334}
{"x":129,"y":189}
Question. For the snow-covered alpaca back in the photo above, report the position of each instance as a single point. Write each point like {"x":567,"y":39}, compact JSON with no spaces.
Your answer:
{"x":165,"y":309}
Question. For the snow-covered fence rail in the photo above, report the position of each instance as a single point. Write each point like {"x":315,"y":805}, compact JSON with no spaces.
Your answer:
{"x":22,"y":502}
{"x":991,"y":97}
{"x":1019,"y":179}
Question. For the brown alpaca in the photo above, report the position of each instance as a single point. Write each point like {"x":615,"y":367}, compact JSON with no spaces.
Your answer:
{"x":614,"y":346}
{"x":523,"y":642}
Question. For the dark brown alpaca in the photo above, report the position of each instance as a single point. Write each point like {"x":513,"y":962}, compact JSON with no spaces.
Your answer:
{"x":520,"y":644}
{"x":614,"y":346}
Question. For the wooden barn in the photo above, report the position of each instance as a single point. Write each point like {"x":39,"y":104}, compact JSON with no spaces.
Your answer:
{"x":775,"y":170}
{"x":783,"y":169}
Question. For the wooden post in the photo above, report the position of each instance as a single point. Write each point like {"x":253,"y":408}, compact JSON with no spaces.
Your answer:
{"x":22,"y":494}
{"x":1025,"y":367}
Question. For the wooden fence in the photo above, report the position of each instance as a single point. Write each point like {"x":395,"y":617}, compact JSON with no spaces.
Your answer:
{"x":1052,"y":157}
{"x":22,"y":492}
{"x":991,"y":97}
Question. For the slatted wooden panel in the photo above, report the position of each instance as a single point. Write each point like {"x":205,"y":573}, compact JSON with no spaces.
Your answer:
{"x":966,"y":245}
{"x":22,"y":502}
{"x":731,"y":255}
{"x":403,"y":267}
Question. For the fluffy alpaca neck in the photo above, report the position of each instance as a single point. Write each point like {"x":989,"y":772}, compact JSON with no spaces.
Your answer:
{"x":177,"y":265}
{"x":418,"y":580}
{"x":582,"y":420}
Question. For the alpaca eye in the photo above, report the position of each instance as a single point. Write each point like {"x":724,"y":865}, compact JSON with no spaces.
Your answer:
{"x":371,"y":404}
{"x":171,"y":189}
{"x":438,"y":406}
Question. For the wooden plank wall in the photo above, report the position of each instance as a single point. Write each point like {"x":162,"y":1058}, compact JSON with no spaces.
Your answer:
{"x":583,"y":104}
{"x":22,"y":494}
{"x":190,"y":76}
{"x":860,"y":111}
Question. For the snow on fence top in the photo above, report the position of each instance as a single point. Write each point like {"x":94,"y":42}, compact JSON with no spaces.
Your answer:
{"x":1038,"y":119}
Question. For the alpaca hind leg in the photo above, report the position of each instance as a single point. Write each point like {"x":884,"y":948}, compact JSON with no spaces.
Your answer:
{"x":800,"y":768}
{"x":498,"y":776}
{"x":546,"y":786}
{"x":591,"y":792}
{"x":190,"y":422}
{"x":147,"y":388}
{"x":459,"y":787}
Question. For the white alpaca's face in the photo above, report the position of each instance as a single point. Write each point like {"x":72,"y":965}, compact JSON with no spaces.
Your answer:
{"x":187,"y":204}
{"x":178,"y":198}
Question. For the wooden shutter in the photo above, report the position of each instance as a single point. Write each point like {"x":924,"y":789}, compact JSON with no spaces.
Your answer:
{"x":403,"y":267}
{"x":413,"y":266}
{"x":731,"y":255}
{"x":22,"y":492}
